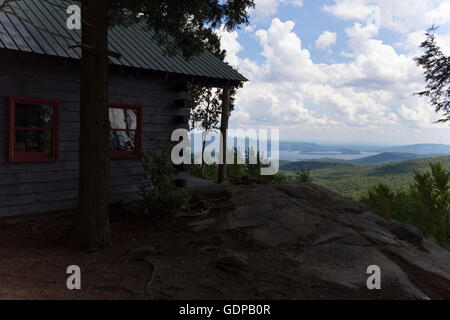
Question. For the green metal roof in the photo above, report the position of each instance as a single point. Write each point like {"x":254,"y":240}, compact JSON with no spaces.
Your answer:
{"x":42,"y":29}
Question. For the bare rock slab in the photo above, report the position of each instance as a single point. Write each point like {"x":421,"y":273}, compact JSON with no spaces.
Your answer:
{"x":270,"y":217}
{"x":405,"y":232}
{"x":233,"y":260}
{"x":346,"y":265}
{"x":379,"y":238}
{"x":202,"y":225}
{"x":431,"y":258}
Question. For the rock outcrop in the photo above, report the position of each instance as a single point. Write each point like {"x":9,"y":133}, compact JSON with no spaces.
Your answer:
{"x":336,"y":239}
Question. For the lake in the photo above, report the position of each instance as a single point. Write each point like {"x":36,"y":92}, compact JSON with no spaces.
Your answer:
{"x":296,"y":155}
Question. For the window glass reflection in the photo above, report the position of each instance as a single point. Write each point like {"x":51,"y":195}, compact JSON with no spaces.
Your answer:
{"x":123,"y":140}
{"x":125,"y":119}
{"x":33,"y":115}
{"x":32,"y":141}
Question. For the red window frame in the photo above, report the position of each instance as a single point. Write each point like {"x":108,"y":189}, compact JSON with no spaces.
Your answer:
{"x":33,"y":156}
{"x":138,"y":130}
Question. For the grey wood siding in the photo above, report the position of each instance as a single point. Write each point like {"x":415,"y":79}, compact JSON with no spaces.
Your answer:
{"x":50,"y":186}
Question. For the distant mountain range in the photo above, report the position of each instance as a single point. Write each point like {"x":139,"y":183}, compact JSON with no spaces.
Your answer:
{"x":313,"y":165}
{"x":386,"y":157}
{"x":366,"y":154}
{"x":381,"y":158}
{"x":306,"y":147}
{"x":421,"y":149}
{"x":353,"y":180}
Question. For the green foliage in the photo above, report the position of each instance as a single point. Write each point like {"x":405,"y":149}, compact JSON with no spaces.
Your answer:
{"x":206,"y":102}
{"x":312,"y":165}
{"x":206,"y":108}
{"x":181,"y":25}
{"x":158,"y":191}
{"x":381,"y":198}
{"x":253,"y":170}
{"x":426,"y":204}
{"x":209,"y":171}
{"x":236,"y":171}
{"x":354,"y":181}
{"x":436,"y":67}
{"x":301,"y":175}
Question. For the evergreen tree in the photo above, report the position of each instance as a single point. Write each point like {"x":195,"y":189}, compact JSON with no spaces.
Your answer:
{"x":437,"y":75}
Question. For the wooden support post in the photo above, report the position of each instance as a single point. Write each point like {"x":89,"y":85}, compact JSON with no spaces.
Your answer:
{"x":223,"y":129}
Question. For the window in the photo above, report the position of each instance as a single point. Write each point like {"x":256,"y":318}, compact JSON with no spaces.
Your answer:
{"x":125,"y":130}
{"x":33,"y":132}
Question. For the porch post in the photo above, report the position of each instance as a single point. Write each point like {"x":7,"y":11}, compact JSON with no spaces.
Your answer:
{"x":223,"y":129}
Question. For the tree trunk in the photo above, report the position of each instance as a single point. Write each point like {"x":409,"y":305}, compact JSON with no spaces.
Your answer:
{"x":203,"y":152}
{"x":92,"y":223}
{"x":223,"y":129}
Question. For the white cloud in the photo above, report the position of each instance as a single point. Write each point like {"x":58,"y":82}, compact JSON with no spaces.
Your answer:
{"x":349,"y":9}
{"x":400,"y":16}
{"x":248,"y":28}
{"x":286,"y":59}
{"x":375,"y":63}
{"x":373,"y":90}
{"x":444,"y":43}
{"x":440,"y":14}
{"x":413,"y":40}
{"x":296,"y":3}
{"x":229,"y":42}
{"x":268,"y":8}
{"x":326,"y":39}
{"x":231,"y":45}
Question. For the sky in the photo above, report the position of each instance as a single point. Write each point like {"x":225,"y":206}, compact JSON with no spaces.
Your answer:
{"x":337,"y":70}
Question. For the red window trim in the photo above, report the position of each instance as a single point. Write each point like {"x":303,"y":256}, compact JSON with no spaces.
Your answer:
{"x":129,"y":154}
{"x":34,"y":157}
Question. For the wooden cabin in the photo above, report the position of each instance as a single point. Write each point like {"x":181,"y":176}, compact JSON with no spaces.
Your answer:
{"x":39,"y":105}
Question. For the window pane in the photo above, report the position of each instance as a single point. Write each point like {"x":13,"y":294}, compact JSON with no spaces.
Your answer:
{"x":123,"y":118}
{"x":123,"y":140}
{"x":33,"y":115}
{"x":32,"y":141}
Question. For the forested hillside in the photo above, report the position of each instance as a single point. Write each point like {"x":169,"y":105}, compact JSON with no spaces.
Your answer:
{"x":387,"y":157}
{"x":354,"y":181}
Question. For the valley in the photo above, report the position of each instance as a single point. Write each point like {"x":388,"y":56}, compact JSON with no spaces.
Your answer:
{"x":352,"y":178}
